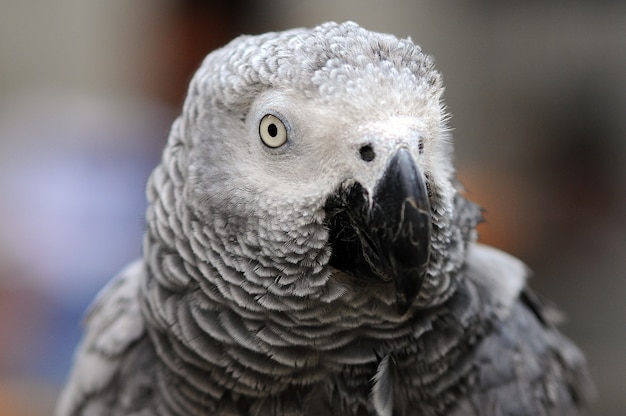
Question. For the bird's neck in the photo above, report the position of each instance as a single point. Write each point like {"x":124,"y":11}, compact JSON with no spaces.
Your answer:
{"x":222,"y":322}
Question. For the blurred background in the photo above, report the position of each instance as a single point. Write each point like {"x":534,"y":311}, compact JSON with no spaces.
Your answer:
{"x":88,"y":90}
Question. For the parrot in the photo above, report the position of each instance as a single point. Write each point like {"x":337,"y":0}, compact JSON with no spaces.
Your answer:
{"x":309,"y":250}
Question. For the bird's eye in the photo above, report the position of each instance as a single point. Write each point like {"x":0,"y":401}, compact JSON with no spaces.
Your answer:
{"x":272,"y":131}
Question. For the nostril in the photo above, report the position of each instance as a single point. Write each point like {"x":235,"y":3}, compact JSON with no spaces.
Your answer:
{"x":367,"y":153}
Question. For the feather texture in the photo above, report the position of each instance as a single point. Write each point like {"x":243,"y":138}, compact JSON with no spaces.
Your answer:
{"x":382,"y":390}
{"x":235,"y":307}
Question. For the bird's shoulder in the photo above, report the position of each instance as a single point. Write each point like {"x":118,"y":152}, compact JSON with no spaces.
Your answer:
{"x":112,"y":325}
{"x":523,"y":365}
{"x":499,"y":276}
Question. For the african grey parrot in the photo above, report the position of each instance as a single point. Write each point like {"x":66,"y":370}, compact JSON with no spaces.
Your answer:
{"x":308,"y":253}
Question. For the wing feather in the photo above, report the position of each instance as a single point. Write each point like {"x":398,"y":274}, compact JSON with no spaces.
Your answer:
{"x":112,"y":325}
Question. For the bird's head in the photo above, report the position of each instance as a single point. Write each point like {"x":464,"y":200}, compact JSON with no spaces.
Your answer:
{"x":317,"y":161}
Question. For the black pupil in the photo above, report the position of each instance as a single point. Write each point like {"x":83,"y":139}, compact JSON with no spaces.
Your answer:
{"x":367,"y":153}
{"x":272,"y":130}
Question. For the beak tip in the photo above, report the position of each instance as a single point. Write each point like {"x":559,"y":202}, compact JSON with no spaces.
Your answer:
{"x":389,"y":240}
{"x":408,"y":284}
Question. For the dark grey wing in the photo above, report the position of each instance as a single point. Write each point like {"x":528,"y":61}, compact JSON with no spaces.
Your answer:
{"x":113,"y":325}
{"x":525,"y":366}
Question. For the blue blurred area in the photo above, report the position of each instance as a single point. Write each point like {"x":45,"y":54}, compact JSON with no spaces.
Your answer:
{"x":88,"y":91}
{"x":72,"y":181}
{"x":72,"y":214}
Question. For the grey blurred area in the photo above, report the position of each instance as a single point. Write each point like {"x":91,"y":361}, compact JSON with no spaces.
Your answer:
{"x":88,"y":90}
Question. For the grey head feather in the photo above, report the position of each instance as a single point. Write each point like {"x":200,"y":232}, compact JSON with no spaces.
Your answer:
{"x":308,"y":74}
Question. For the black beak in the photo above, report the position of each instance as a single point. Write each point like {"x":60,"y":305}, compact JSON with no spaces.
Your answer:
{"x":386,"y":237}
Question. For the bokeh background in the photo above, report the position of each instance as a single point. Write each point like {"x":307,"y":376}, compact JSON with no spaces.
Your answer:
{"x":89,"y":88}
